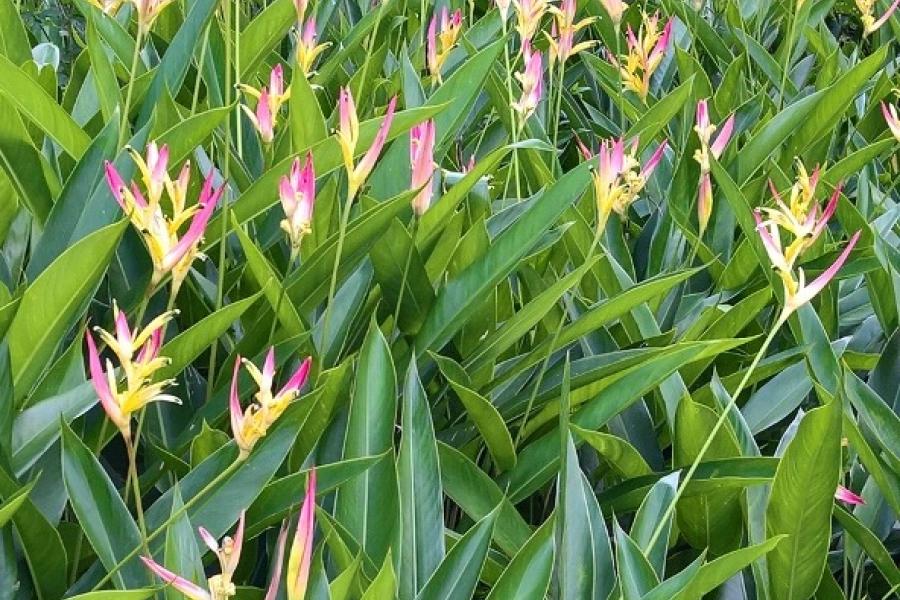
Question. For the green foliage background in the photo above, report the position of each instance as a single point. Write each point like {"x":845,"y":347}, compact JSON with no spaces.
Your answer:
{"x":520,"y":431}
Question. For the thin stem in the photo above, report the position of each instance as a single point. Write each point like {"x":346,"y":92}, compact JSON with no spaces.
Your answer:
{"x":220,"y":283}
{"x":129,"y":89}
{"x":290,"y":267}
{"x":200,"y":65}
{"x":136,"y":486}
{"x":556,"y":114}
{"x":184,"y":508}
{"x":409,"y":255}
{"x":787,"y":59}
{"x":715,"y":430}
{"x":332,"y":286}
{"x":514,"y":168}
{"x":237,"y":76}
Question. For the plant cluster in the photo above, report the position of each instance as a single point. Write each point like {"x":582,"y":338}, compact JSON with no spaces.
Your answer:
{"x":513,"y":299}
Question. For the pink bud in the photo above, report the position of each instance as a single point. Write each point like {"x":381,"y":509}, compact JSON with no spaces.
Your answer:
{"x":845,"y":495}
{"x":100,"y":380}
{"x":421,"y":157}
{"x":191,"y":590}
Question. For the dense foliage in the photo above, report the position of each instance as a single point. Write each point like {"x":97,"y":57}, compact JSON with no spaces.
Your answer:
{"x":305,"y":299}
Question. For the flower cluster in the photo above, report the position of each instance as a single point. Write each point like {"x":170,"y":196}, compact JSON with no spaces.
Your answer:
{"x":441,"y":43}
{"x":645,"y":52}
{"x":564,"y":28}
{"x":867,"y":15}
{"x":348,"y":138}
{"x":297,"y":192}
{"x":138,"y":356}
{"x":147,"y":10}
{"x":218,"y":587}
{"x":269,"y":100}
{"x":307,"y":47}
{"x":532,"y":83}
{"x":891,"y":118}
{"x":709,"y":146}
{"x":421,"y":160}
{"x":803,"y":221}
{"x":619,"y":178}
{"x":252,"y":424}
{"x":528,"y":17}
{"x":170,"y":252}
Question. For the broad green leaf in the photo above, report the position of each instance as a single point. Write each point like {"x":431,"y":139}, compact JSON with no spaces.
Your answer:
{"x":419,"y":540}
{"x":105,"y":520}
{"x":367,"y":504}
{"x":622,"y":456}
{"x":189,"y":344}
{"x":489,"y":424}
{"x":385,"y":583}
{"x":528,"y":573}
{"x":53,"y":301}
{"x":457,"y":575}
{"x":33,"y":102}
{"x":649,"y":516}
{"x":801,"y":502}
{"x":871,"y":544}
{"x":636,"y":575}
{"x":464,"y":292}
{"x":13,"y":502}
{"x":716,"y":572}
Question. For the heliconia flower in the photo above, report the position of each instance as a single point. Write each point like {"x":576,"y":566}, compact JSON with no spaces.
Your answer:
{"x":421,"y":160}
{"x":300,"y":7}
{"x":528,"y":17}
{"x":300,"y":557}
{"x":220,"y":586}
{"x":620,"y":178}
{"x":177,"y":190}
{"x":848,"y":496}
{"x":532,"y":84}
{"x":139,"y":370}
{"x":110,"y":7}
{"x":645,"y":52}
{"x":796,"y":291}
{"x":148,"y":11}
{"x":867,"y":16}
{"x":562,"y":39}
{"x":348,"y":137}
{"x":615,"y":9}
{"x":251,"y":425}
{"x":307,"y":48}
{"x":708,"y":146}
{"x":229,"y":555}
{"x":297,"y":192}
{"x":441,"y":43}
{"x":269,"y":100}
{"x":191,"y":590}
{"x":890,"y":117}
{"x":503,"y":7}
{"x":154,"y":169}
{"x":275,"y":582}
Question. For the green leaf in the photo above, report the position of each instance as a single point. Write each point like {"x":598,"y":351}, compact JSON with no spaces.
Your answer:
{"x":32,"y":101}
{"x":801,"y":502}
{"x":584,"y":566}
{"x":464,"y":293}
{"x":140,"y":594}
{"x":385,"y":583}
{"x":489,"y":424}
{"x":457,"y":575}
{"x":622,"y":456}
{"x":367,"y":505}
{"x":190,"y":343}
{"x":649,"y":516}
{"x":181,"y":554}
{"x":528,"y":573}
{"x":636,"y":575}
{"x":53,"y":301}
{"x":420,"y":534}
{"x":871,"y":544}
{"x":105,"y":520}
{"x":262,"y":33}
{"x":307,"y":122}
{"x":13,"y":502}
{"x":654,"y":120}
{"x":720,"y":570}
{"x":477,"y":494}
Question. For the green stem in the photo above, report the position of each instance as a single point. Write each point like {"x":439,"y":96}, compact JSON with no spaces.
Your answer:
{"x":129,"y":89}
{"x":332,"y":286}
{"x":184,"y":508}
{"x":556,"y":115}
{"x":223,"y":234}
{"x":409,"y":255}
{"x":715,"y":430}
{"x":514,"y":168}
{"x":200,"y":65}
{"x":136,"y":486}
{"x":787,"y":59}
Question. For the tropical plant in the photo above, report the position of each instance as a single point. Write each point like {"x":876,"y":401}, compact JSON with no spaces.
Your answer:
{"x":448,"y":300}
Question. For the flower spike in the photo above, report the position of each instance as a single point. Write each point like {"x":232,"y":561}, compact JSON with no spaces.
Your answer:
{"x":440,"y":44}
{"x":348,"y":137}
{"x":709,"y":146}
{"x":297,"y":192}
{"x":300,"y":557}
{"x":848,"y":496}
{"x":191,"y":590}
{"x":532,"y":84}
{"x":421,"y":158}
{"x":867,"y":15}
{"x":890,"y":117}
